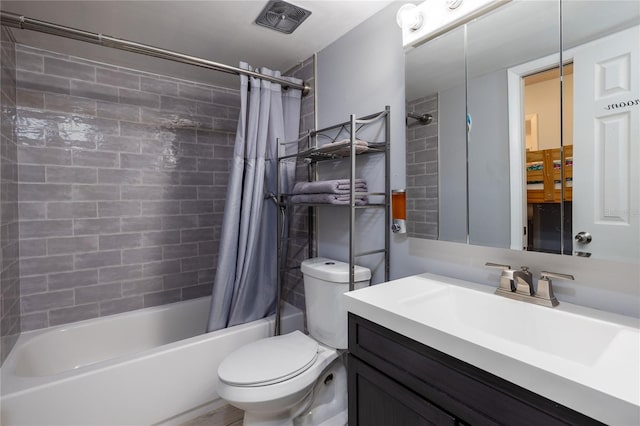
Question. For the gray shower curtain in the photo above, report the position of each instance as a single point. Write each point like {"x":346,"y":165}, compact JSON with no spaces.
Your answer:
{"x":244,"y":288}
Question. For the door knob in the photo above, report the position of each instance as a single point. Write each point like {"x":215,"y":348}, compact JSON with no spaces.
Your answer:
{"x":583,"y":237}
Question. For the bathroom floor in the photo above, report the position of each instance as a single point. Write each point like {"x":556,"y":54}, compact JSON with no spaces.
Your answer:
{"x":224,"y":416}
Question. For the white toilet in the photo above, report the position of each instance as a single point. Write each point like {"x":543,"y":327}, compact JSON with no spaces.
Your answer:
{"x":295,"y":379}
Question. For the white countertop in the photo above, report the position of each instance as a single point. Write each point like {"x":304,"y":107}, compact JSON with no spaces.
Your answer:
{"x":585,"y":359}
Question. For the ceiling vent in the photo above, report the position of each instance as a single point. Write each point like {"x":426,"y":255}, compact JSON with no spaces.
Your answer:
{"x":282,"y":16}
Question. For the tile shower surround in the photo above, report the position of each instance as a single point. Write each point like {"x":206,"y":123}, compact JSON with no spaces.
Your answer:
{"x":9,"y":274}
{"x":122,"y":181}
{"x":422,"y":170}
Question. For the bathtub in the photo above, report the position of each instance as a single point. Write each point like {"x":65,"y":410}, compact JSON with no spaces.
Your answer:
{"x":152,"y":366}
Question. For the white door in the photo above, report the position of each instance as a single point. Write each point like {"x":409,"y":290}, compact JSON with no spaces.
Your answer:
{"x":607,"y":136}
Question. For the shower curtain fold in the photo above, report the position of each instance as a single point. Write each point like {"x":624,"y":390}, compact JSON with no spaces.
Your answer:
{"x":244,"y":287}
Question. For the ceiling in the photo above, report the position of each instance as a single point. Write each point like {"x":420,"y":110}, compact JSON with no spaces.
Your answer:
{"x":221,"y":31}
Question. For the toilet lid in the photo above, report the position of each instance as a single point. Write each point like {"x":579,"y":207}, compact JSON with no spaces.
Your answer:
{"x":269,"y":361}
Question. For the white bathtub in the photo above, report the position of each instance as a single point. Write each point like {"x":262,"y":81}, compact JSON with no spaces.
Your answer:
{"x":150,"y":366}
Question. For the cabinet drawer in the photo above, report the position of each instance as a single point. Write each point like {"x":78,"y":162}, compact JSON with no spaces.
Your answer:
{"x":473,"y":395}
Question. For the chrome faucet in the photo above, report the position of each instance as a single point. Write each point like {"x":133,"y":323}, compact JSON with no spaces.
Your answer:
{"x":518,"y":285}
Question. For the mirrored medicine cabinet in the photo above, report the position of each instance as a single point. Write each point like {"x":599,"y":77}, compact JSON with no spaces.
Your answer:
{"x":520,"y":152}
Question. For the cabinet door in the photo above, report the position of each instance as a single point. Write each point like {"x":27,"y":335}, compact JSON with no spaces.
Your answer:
{"x":375,"y":399}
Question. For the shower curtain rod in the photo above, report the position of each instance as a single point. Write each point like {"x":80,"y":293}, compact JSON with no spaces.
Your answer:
{"x":26,"y":23}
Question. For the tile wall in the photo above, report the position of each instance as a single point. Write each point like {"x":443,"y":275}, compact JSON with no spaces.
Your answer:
{"x":122,"y":181}
{"x":422,"y":170}
{"x":297,"y":248}
{"x":9,"y":244}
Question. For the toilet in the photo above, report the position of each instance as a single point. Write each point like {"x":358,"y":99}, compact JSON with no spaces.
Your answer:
{"x":298,"y":379}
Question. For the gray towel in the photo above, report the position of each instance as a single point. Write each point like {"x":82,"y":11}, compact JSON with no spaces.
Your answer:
{"x":361,"y":200}
{"x":336,"y":186}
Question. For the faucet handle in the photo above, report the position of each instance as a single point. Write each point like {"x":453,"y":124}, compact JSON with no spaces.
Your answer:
{"x":545,"y":288}
{"x":507,"y":283}
{"x":546,"y":275}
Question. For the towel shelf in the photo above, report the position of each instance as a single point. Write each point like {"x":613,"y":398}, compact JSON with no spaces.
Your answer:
{"x":341,"y":143}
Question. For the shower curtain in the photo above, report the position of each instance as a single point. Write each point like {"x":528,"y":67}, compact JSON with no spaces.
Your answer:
{"x":244,"y":288}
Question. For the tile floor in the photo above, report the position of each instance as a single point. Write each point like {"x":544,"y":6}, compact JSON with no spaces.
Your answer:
{"x":223,"y":416}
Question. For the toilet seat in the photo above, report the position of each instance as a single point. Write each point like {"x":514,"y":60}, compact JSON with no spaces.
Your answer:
{"x":269,"y":361}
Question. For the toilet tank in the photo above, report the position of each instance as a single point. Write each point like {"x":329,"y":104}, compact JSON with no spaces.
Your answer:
{"x":325,"y":281}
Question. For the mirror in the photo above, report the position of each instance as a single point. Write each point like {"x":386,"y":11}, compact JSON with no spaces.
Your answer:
{"x":513,"y":97}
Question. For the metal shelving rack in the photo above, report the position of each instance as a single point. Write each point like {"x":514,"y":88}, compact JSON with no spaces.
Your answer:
{"x":315,"y":154}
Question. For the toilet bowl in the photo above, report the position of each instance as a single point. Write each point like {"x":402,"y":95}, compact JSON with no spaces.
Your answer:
{"x":298,"y":379}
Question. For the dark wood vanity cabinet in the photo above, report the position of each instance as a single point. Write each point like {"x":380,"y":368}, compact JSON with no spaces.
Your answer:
{"x":396,"y":381}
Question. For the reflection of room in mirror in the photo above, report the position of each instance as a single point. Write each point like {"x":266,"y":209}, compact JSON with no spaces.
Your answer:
{"x":544,"y":169}
{"x":422,"y":170}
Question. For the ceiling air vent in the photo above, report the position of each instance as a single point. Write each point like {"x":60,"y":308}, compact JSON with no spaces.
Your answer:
{"x":282,"y":16}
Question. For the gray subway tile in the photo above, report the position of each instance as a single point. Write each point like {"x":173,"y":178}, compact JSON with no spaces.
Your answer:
{"x":120,"y":273}
{"x":60,"y":174}
{"x":160,"y":238}
{"x":118,"y":208}
{"x":118,"y":176}
{"x":193,"y":235}
{"x":132,"y":224}
{"x":45,"y":265}
{"x":96,"y":192}
{"x":196,"y":178}
{"x":33,"y":285}
{"x":97,"y":259}
{"x":97,"y":293}
{"x":179,"y":222}
{"x":118,"y":144}
{"x":206,"y":276}
{"x":31,"y":248}
{"x":71,"y":210}
{"x":73,"y":279}
{"x":111,"y":307}
{"x":180,"y":192}
{"x":137,"y":130}
{"x":93,"y":91}
{"x":211,"y":110}
{"x":32,"y":211}
{"x":146,"y":285}
{"x":96,"y":226}
{"x":226,"y":98}
{"x":140,"y":161}
{"x":161,"y":298}
{"x":179,"y":251}
{"x":118,"y":111}
{"x":208,"y":247}
{"x":161,"y":87}
{"x":183,"y":279}
{"x":171,"y":121}
{"x":63,"y":245}
{"x":117,"y":78}
{"x":29,"y":61}
{"x":141,"y":255}
{"x":209,"y":137}
{"x":29,"y":173}
{"x":186,"y":106}
{"x":199,"y":262}
{"x":69,"y":69}
{"x":141,"y":192}
{"x":161,"y":268}
{"x":42,"y":82}
{"x":137,"y":97}
{"x":73,"y":314}
{"x":71,"y":104}
{"x":200,"y":206}
{"x":38,"y":155}
{"x":224,"y":152}
{"x":46,"y":301}
{"x":193,"y":292}
{"x":29,"y":99}
{"x":163,"y":177}
{"x":198,"y":93}
{"x":35,"y":321}
{"x":95,"y":159}
{"x":45,"y":228}
{"x":213,"y":164}
{"x":160,"y":207}
{"x":120,"y":241}
{"x":197,"y":150}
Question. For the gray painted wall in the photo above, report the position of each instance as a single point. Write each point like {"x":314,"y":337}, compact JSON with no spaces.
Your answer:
{"x":363,"y":71}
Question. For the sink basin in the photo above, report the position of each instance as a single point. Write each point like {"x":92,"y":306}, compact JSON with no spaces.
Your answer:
{"x":580,"y":357}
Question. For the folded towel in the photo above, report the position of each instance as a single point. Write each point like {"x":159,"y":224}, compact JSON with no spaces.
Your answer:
{"x":361,"y":200}
{"x":336,"y":186}
{"x":342,"y":147}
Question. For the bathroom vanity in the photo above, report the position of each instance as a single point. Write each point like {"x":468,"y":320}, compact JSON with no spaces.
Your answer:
{"x":435,"y":350}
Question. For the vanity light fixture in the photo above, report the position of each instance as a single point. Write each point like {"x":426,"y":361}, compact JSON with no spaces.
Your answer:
{"x":431,"y":18}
